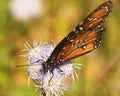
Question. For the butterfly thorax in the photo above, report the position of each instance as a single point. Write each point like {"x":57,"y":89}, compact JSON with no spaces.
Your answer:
{"x":51,"y":64}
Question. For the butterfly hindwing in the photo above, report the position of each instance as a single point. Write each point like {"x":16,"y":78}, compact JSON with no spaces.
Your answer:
{"x":85,"y":43}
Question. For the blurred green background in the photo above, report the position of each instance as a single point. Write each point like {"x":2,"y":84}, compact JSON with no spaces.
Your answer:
{"x":100,"y":73}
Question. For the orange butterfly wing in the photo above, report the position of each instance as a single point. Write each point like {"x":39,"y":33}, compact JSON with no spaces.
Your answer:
{"x":97,"y":16}
{"x":86,"y":36}
{"x":84,"y":43}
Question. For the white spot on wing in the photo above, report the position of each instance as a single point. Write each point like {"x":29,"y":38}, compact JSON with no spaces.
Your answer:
{"x":63,"y":47}
{"x":77,"y":41}
{"x":90,"y":19}
{"x":94,"y":19}
{"x":80,"y":28}
{"x":95,"y":46}
{"x":71,"y":40}
{"x":62,"y":53}
{"x":106,"y":8}
{"x":76,"y":32}
{"x":91,"y":25}
{"x":84,"y":46}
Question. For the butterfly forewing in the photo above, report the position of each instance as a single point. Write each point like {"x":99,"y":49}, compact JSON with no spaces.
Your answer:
{"x":86,"y":36}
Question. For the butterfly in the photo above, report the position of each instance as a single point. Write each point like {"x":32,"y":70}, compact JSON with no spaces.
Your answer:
{"x":84,"y":38}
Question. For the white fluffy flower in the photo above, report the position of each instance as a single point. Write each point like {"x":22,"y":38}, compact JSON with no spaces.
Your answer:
{"x":24,"y":10}
{"x":50,"y":83}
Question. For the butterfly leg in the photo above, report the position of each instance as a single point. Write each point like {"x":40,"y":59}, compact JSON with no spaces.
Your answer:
{"x":51,"y":76}
{"x":61,"y":71}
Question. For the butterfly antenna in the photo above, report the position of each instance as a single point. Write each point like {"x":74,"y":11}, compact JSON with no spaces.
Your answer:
{"x":23,"y":65}
{"x":31,"y":64}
